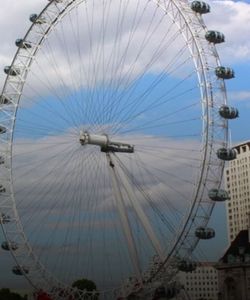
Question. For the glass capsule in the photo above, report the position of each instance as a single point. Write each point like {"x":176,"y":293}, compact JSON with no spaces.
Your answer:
{"x":200,"y":7}
{"x":215,"y":37}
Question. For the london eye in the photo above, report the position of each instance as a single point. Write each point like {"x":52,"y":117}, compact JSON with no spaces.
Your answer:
{"x":114,"y":135}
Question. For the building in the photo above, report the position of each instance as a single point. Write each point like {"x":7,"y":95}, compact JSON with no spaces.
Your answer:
{"x":201,"y":284}
{"x":234,"y":269}
{"x":237,"y":183}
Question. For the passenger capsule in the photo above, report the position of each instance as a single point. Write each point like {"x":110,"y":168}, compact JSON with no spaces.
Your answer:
{"x":226,"y":154}
{"x":2,"y":189}
{"x":2,"y":130}
{"x":4,"y":219}
{"x":224,"y":73}
{"x":34,"y":18}
{"x":20,"y":270}
{"x":12,"y":71}
{"x":218,"y":195}
{"x":204,"y":233}
{"x":4,"y":100}
{"x":200,"y":7}
{"x":215,"y":37}
{"x":20,"y":43}
{"x":9,"y":246}
{"x":228,"y":112}
{"x":187,"y":266}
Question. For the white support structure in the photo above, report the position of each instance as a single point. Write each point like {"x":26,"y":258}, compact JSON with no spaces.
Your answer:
{"x":124,"y":219}
{"x":141,"y":215}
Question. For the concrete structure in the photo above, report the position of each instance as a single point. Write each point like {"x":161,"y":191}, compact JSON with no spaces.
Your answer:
{"x":201,"y":283}
{"x":234,"y":270}
{"x":237,"y":183}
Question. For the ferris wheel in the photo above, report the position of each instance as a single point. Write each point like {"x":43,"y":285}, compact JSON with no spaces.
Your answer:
{"x":114,"y":135}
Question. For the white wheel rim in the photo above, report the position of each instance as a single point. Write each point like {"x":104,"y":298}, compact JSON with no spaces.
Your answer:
{"x":212,"y":91}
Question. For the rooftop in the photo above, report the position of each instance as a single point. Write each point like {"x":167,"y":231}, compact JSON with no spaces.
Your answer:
{"x":241,"y":242}
{"x":238,"y":146}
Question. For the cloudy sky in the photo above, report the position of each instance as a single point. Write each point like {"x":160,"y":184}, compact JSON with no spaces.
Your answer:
{"x":230,"y":17}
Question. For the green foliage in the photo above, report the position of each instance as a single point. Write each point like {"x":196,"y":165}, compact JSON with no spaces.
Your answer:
{"x":85,"y":284}
{"x":6,"y":294}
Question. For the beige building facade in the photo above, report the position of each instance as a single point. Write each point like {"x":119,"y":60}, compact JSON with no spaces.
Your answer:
{"x":237,"y":183}
{"x":201,"y":283}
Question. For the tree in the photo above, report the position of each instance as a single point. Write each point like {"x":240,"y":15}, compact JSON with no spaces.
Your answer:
{"x":85,"y":285}
{"x":6,"y":294}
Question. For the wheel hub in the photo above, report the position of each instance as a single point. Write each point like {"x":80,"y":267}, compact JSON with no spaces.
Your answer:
{"x":105,"y":143}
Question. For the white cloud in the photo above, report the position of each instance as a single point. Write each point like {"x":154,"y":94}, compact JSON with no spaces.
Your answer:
{"x":14,"y":23}
{"x":56,"y":188}
{"x":59,"y":59}
{"x":227,"y":16}
{"x":231,"y":18}
{"x":239,"y":96}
